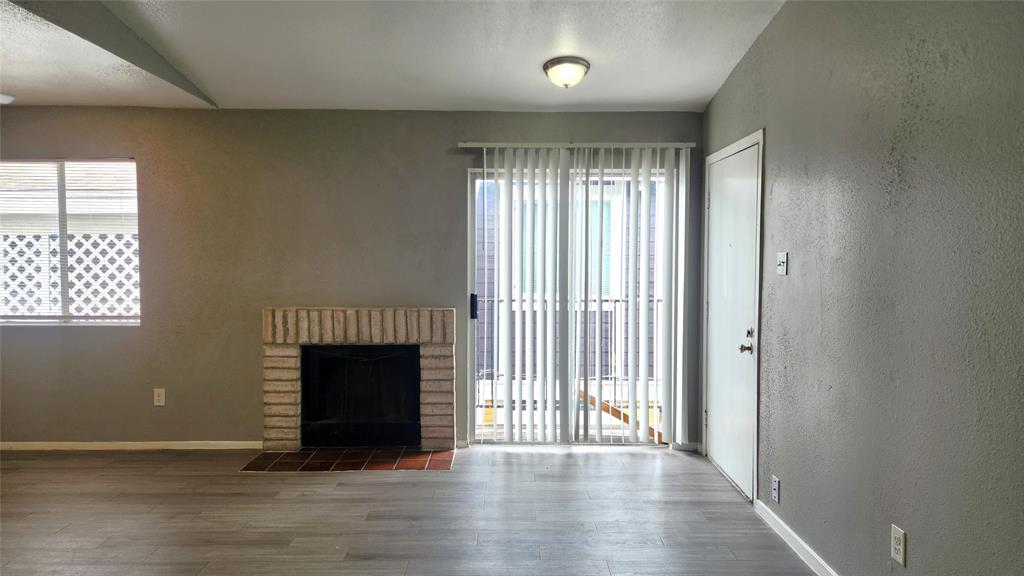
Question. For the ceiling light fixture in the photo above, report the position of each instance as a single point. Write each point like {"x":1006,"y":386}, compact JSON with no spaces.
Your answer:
{"x":566,"y":71}
{"x":5,"y":99}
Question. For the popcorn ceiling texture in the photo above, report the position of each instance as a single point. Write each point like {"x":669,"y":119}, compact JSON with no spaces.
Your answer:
{"x":892,"y":373}
{"x":45,"y":64}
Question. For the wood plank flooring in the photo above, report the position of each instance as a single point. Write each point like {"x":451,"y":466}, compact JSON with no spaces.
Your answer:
{"x":528,"y":511}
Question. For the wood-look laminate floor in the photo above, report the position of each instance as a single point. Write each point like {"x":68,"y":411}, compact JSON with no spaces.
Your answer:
{"x":500,"y":510}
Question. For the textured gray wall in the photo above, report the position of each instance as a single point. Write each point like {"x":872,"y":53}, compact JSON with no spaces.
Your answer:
{"x":892,"y":375}
{"x":244,"y":209}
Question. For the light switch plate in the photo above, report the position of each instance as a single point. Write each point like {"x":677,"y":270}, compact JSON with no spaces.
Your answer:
{"x":782,"y":263}
{"x":775,"y":488}
{"x":899,"y":545}
{"x":159,"y":397}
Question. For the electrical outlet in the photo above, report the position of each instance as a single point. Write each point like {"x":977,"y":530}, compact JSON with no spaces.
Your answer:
{"x":782,"y":263}
{"x":775,"y":488}
{"x":899,"y":545}
{"x":159,"y":397}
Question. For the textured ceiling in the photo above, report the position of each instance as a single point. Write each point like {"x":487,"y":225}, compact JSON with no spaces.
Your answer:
{"x":413,"y":55}
{"x":43,"y":64}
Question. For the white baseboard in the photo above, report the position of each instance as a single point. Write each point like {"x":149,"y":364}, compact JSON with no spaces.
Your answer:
{"x":805,"y":552}
{"x":154,"y":445}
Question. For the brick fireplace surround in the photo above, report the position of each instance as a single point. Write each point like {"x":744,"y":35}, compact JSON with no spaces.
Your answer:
{"x":286,"y":329}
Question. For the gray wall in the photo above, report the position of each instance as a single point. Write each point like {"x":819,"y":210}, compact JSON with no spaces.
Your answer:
{"x":892,"y":373}
{"x":245,"y":209}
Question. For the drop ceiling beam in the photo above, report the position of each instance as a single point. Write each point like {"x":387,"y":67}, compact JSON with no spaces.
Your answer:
{"x":94,"y":22}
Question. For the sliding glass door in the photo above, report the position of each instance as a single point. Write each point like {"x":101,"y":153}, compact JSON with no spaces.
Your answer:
{"x":573,"y":264}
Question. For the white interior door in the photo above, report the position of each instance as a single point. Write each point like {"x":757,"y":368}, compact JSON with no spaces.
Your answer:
{"x":731,"y":298}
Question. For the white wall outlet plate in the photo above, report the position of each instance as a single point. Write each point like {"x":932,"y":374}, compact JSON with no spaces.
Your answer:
{"x":899,"y":545}
{"x":159,"y":397}
{"x":775,"y":488}
{"x":782,"y":263}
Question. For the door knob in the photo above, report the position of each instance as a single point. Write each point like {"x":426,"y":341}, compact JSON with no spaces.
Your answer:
{"x":747,"y":348}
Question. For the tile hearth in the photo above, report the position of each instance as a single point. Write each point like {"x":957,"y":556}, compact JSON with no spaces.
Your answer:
{"x":351,"y":460}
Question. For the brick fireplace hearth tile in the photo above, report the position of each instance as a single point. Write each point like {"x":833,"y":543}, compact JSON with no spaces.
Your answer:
{"x":439,"y":464}
{"x":348,"y":465}
{"x":286,"y":466}
{"x":317,"y":466}
{"x":412,"y":464}
{"x":381,"y":464}
{"x":326,"y":456}
{"x":258,"y":465}
{"x":352,"y":459}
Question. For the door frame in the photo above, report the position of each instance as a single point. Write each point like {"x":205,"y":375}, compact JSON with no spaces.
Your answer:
{"x":755,"y":139}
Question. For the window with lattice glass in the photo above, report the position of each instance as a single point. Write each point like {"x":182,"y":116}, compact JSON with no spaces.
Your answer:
{"x":70,"y":238}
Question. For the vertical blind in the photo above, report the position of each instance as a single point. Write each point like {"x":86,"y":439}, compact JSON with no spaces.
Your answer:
{"x":70,"y":241}
{"x":573,"y":261}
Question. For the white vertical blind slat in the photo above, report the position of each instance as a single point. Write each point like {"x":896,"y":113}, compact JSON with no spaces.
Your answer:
{"x":621,"y":310}
{"x":599,"y":306}
{"x":540,"y":319}
{"x":564,"y":317}
{"x":554,"y":159}
{"x":680,"y":391}
{"x":573,"y":301}
{"x":506,"y":296}
{"x":643,"y":344}
{"x":574,"y":305}
{"x":517,"y":282}
{"x":666,"y":227}
{"x":631,"y":291}
{"x":529,"y":234}
{"x":490,"y":290}
{"x":587,"y":286}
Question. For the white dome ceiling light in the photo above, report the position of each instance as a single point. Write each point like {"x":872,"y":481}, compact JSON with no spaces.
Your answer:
{"x":5,"y":99}
{"x":566,"y":71}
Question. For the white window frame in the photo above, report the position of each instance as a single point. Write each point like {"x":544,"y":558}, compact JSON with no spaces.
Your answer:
{"x":65,"y":318}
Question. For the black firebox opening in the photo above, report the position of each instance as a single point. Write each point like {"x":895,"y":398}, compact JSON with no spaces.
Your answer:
{"x":361,"y":395}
